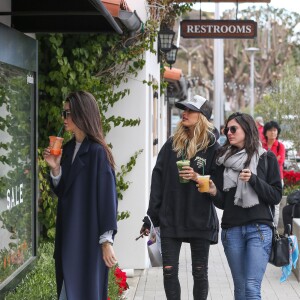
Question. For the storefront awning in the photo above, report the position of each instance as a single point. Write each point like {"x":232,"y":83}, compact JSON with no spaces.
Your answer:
{"x":218,"y":1}
{"x":68,"y":16}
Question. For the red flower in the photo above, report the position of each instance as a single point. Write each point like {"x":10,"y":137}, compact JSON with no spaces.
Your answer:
{"x":291,"y":177}
{"x":121,"y":280}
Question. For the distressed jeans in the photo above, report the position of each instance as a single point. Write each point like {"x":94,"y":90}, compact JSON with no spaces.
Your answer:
{"x":247,"y":249}
{"x":170,"y":254}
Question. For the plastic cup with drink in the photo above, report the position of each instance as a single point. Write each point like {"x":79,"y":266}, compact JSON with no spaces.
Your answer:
{"x":55,"y":144}
{"x":203,"y":183}
{"x":180,"y":164}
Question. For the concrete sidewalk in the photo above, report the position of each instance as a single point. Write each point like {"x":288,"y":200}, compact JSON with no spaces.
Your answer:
{"x":148,"y":284}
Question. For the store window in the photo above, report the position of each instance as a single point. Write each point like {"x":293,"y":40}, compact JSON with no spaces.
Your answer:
{"x":17,"y":165}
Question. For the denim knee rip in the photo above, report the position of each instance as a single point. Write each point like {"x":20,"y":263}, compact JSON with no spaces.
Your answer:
{"x":170,"y":271}
{"x":200,"y":272}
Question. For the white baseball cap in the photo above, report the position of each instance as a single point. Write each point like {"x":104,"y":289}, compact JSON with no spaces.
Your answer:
{"x":196,"y":103}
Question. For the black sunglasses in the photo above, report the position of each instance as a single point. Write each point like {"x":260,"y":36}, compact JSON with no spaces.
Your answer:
{"x":232,"y":129}
{"x":65,"y":113}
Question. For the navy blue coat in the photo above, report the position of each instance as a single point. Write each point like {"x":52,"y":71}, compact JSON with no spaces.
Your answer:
{"x":87,"y":207}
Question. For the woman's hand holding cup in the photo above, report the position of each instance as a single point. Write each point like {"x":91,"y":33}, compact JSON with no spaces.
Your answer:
{"x":188,"y":173}
{"x":202,"y":186}
{"x":52,"y":160}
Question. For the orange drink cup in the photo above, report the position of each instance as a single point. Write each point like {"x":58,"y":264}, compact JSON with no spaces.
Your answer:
{"x":203,"y":182}
{"x":55,"y":144}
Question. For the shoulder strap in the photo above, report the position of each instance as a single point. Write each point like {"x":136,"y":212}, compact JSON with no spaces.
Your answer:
{"x":293,"y":210}
{"x":266,"y":170}
{"x":266,"y":162}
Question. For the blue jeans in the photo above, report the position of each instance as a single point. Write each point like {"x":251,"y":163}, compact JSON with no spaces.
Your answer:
{"x":247,"y":249}
{"x":170,"y":253}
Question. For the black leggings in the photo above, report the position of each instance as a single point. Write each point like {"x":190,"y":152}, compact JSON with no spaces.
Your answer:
{"x":170,"y":253}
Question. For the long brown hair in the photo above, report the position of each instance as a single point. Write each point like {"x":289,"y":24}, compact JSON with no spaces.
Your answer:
{"x":252,"y":142}
{"x":183,"y":145}
{"x":86,"y":116}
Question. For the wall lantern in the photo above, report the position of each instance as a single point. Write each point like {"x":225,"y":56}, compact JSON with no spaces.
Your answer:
{"x":166,"y":48}
{"x":165,"y":39}
{"x":171,"y":56}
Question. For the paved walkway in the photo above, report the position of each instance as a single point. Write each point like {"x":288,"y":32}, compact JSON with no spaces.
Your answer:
{"x":148,"y":284}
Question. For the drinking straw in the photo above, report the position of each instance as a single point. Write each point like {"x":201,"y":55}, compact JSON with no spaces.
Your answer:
{"x":203,"y":170}
{"x":60,"y":130}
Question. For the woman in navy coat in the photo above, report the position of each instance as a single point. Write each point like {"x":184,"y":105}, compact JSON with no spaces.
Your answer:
{"x":83,"y":178}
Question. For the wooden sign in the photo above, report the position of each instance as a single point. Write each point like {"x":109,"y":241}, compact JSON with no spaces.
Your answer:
{"x":219,"y":1}
{"x":218,"y":29}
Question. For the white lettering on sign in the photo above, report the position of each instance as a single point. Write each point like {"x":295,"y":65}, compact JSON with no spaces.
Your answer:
{"x":218,"y":29}
{"x":14,"y":196}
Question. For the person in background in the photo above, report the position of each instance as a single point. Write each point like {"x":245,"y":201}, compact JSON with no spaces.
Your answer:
{"x":222,"y":138}
{"x":83,"y":178}
{"x":259,"y":121}
{"x":183,"y":214}
{"x":245,"y":186}
{"x":271,"y":133}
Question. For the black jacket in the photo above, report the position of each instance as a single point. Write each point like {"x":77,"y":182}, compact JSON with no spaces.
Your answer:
{"x":178,"y":208}
{"x":267,"y":185}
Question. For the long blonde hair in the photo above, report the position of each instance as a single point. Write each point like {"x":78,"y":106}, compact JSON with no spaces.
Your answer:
{"x":187,"y":147}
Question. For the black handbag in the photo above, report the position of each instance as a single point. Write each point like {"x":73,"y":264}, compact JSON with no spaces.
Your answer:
{"x":280,"y":252}
{"x":294,"y":197}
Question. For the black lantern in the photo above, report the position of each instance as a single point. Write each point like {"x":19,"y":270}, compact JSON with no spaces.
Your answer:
{"x":165,"y":39}
{"x":171,"y":56}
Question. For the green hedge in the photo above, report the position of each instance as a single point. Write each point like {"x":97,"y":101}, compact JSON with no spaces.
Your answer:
{"x":40,"y":284}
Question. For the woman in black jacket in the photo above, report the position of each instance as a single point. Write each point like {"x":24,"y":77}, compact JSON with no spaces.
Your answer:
{"x":183,"y":214}
{"x":246,"y":186}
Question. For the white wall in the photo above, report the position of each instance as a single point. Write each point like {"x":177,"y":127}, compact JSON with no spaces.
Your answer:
{"x":127,"y":140}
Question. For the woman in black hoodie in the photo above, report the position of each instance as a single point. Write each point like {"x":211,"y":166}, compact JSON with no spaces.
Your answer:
{"x":183,"y":214}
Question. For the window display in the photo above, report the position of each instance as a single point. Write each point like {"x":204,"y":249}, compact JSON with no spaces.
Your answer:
{"x":17,"y":92}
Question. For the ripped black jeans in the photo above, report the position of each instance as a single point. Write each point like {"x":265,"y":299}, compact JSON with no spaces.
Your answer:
{"x":170,"y":253}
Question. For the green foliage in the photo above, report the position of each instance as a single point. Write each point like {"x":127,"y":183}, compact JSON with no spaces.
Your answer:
{"x":47,"y":200}
{"x":289,"y":189}
{"x":125,"y":169}
{"x":40,"y":282}
{"x":93,"y":62}
{"x":113,"y":287}
{"x":282,"y":104}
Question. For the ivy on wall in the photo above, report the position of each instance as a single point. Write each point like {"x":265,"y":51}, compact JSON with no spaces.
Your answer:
{"x":98,"y":63}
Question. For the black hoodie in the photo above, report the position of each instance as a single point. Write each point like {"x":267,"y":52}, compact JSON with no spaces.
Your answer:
{"x":178,"y":208}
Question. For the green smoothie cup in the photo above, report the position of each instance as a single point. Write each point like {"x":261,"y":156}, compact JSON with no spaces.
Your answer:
{"x":180,"y":164}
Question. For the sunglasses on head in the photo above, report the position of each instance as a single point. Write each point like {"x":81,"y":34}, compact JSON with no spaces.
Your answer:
{"x":232,"y":129}
{"x":65,"y":113}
